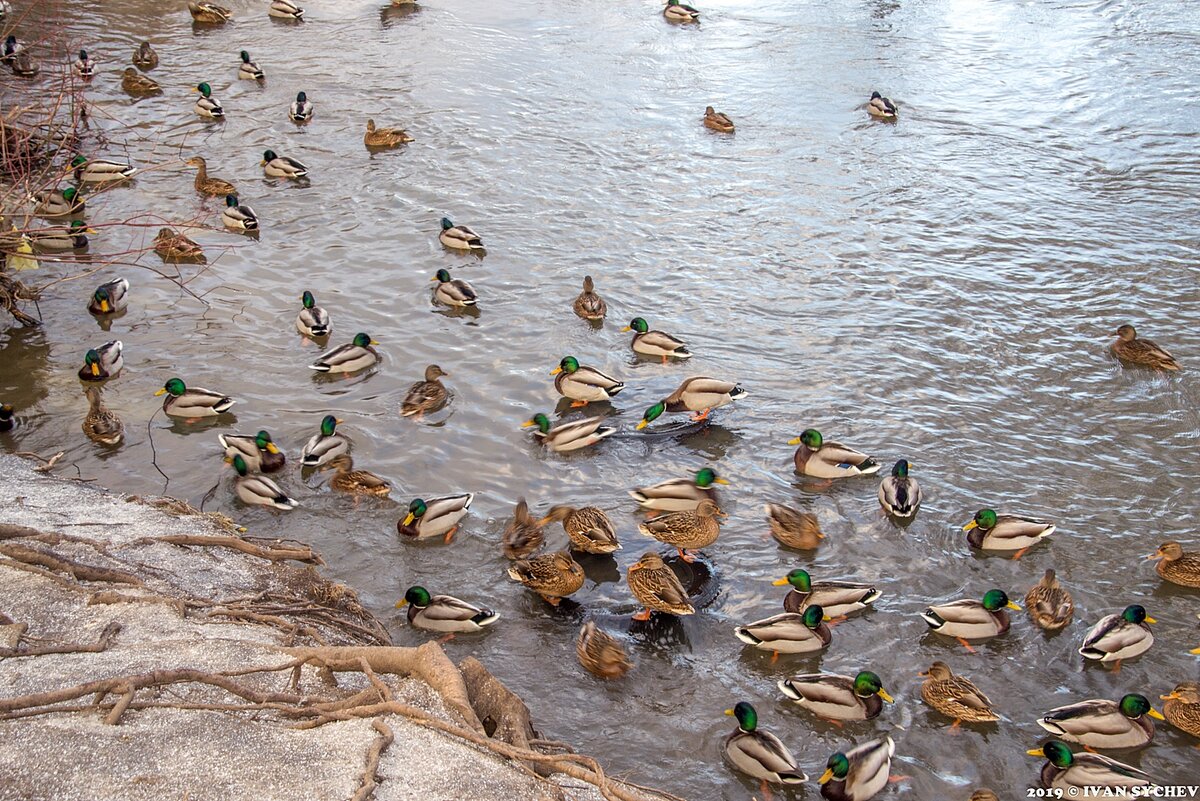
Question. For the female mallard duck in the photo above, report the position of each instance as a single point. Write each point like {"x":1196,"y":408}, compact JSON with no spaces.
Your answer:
{"x":967,"y":619}
{"x":1181,"y":707}
{"x":135,"y":83}
{"x":794,"y":529}
{"x":237,"y":216}
{"x":680,"y":494}
{"x":285,"y":9}
{"x":275,"y":166}
{"x":258,"y":490}
{"x":567,"y":437}
{"x":820,"y":459}
{"x":690,"y":530}
{"x":788,"y":633}
{"x":588,"y":527}
{"x":56,"y":203}
{"x":145,"y":57}
{"x":583,"y":385}
{"x":102,"y":363}
{"x":73,"y":237}
{"x":349,"y":358}
{"x":453,"y":291}
{"x":24,"y":66}
{"x":1100,"y":723}
{"x":444,"y":612}
{"x":1049,"y":603}
{"x":588,"y":304}
{"x":899,"y":493}
{"x":248,"y":70}
{"x":356,"y":482}
{"x":1146,"y":352}
{"x":110,"y":297}
{"x":435,"y":517}
{"x":301,"y":109}
{"x":459,"y":237}
{"x":1074,"y":772}
{"x":101,"y":424}
{"x":553,"y":576}
{"x":210,"y":13}
{"x":100,"y":171}
{"x":759,"y":754}
{"x":834,"y":697}
{"x":312,"y":321}
{"x":85,"y":67}
{"x":523,"y":534}
{"x":1118,"y":637}
{"x":600,"y":653}
{"x":326,"y":445}
{"x":192,"y":403}
{"x":699,"y":395}
{"x":882,"y":107}
{"x":717,"y":121}
{"x":384,"y":137}
{"x":955,"y":697}
{"x":837,"y":598}
{"x":259,"y":452}
{"x":656,"y":587}
{"x":655,"y":343}
{"x":677,"y":12}
{"x":176,"y":248}
{"x":426,"y":396}
{"x":992,"y":532}
{"x":7,"y":421}
{"x":208,"y":106}
{"x":860,"y":773}
{"x":207,"y":185}
{"x":1176,"y":565}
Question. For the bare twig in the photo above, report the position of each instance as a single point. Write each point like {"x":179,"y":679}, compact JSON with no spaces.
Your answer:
{"x":370,"y":778}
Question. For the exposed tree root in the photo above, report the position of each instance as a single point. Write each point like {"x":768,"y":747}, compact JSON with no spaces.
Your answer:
{"x":34,"y":556}
{"x":370,"y":779}
{"x":102,"y":644}
{"x":304,"y":554}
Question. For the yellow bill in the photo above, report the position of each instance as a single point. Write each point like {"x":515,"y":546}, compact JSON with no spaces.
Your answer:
{"x":408,"y":519}
{"x":826,"y":776}
{"x":883,"y":694}
{"x":971,"y":525}
{"x":1154,"y":713}
{"x":795,"y":441}
{"x":161,"y":391}
{"x":1013,"y":606}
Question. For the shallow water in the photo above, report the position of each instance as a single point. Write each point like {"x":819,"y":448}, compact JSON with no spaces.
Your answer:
{"x":941,"y":289}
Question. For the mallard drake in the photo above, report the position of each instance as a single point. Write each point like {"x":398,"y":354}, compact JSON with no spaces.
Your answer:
{"x":102,"y":363}
{"x":85,"y":67}
{"x":677,"y":12}
{"x":572,"y":436}
{"x":259,"y":452}
{"x":759,"y":754}
{"x":992,"y":532}
{"x":860,"y":773}
{"x":23,"y":65}
{"x":176,"y":248}
{"x":459,"y":237}
{"x":794,"y":529}
{"x":301,"y":109}
{"x":899,"y":493}
{"x":237,"y":216}
{"x":656,"y":587}
{"x":58,"y":203}
{"x":588,"y":304}
{"x":717,"y":121}
{"x":258,"y":490}
{"x":820,"y":459}
{"x":349,"y":358}
{"x":1100,"y":723}
{"x":453,"y":291}
{"x":1049,"y":603}
{"x":426,"y":396}
{"x":837,"y":598}
{"x":192,"y":403}
{"x":834,"y":697}
{"x":955,"y":696}
{"x":583,"y":385}
{"x":7,"y":421}
{"x":444,"y":612}
{"x":110,"y":297}
{"x":101,"y":424}
{"x":73,"y":237}
{"x":680,"y":494}
{"x":967,"y":619}
{"x":100,"y":171}
{"x":356,"y":482}
{"x":655,"y":343}
{"x":436,"y":516}
{"x":553,"y":576}
{"x":523,"y":535}
{"x":1181,"y":707}
{"x":312,"y":321}
{"x":882,"y":107}
{"x":384,"y":137}
{"x":1176,"y":565}
{"x":210,"y":13}
{"x":788,"y":633}
{"x":208,"y":106}
{"x":699,"y":395}
{"x":248,"y":70}
{"x":325,"y":445}
{"x":600,"y":653}
{"x":145,"y":57}
{"x":1074,"y":772}
{"x":1146,"y":352}
{"x":276,"y":166}
{"x":285,"y":9}
{"x":588,"y":527}
{"x":135,"y":83}
{"x":1118,"y":637}
{"x":689,"y":530}
{"x":207,"y":185}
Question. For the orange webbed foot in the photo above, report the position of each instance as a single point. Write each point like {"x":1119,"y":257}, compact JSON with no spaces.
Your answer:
{"x":965,"y":644}
{"x":1019,"y":554}
{"x":643,"y":615}
{"x":578,"y":404}
{"x":450,"y":534}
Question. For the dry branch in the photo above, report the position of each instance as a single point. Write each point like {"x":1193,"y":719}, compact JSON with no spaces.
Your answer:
{"x":370,"y":777}
{"x":102,"y":644}
{"x":34,"y":556}
{"x":272,"y":554}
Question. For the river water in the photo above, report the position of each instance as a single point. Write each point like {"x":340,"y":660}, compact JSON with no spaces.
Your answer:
{"x":941,"y":289}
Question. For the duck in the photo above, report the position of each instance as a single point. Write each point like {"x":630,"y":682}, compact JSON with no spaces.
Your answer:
{"x":820,"y":459}
{"x":759,"y":754}
{"x":145,"y":57}
{"x":85,"y":66}
{"x":686,"y":531}
{"x":285,"y":9}
{"x":788,"y":633}
{"x":453,"y":291}
{"x":677,"y":12}
{"x":1100,"y":723}
{"x":1118,"y":637}
{"x":426,"y":396}
{"x":572,"y":436}
{"x":680,"y":494}
{"x":1146,"y":352}
{"x":831,"y":696}
{"x":258,"y":490}
{"x":208,"y":106}
{"x":1181,"y":707}
{"x":899,"y":493}
{"x":206,"y":184}
{"x":192,"y":403}
{"x":523,"y":534}
{"x":553,"y":576}
{"x":1049,"y":604}
{"x":1075,"y":772}
{"x":717,"y":121}
{"x":58,"y":203}
{"x":699,"y":395}
{"x":583,"y":385}
{"x":992,"y":532}
{"x":655,"y":343}
{"x":248,"y":70}
{"x":325,"y":445}
{"x":967,"y":619}
{"x":100,"y":171}
{"x":435,"y":517}
{"x":860,"y":773}
{"x":459,"y":237}
{"x":101,"y":424}
{"x":23,"y":65}
{"x":955,"y":697}
{"x":174,"y":247}
{"x":1176,"y":565}
{"x":600,"y":653}
{"x":210,"y":13}
{"x":792,"y":528}
{"x":276,"y":166}
{"x":73,"y":237}
{"x":882,"y":107}
{"x":110,"y":297}
{"x":135,"y":83}
{"x":237,"y":216}
{"x":301,"y":109}
{"x":312,"y":321}
{"x":444,"y":612}
{"x":656,"y":587}
{"x":837,"y":598}
{"x":259,"y":452}
{"x":384,"y":137}
{"x":7,"y":421}
{"x":349,"y":358}
{"x":356,"y":482}
{"x":588,"y":304}
{"x":11,"y":49}
{"x":588,"y":528}
{"x":102,"y":363}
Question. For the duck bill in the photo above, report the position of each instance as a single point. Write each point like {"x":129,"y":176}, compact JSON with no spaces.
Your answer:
{"x":795,"y":441}
{"x":272,"y":448}
{"x":1193,"y":651}
{"x":1172,"y":695}
{"x":729,"y":712}
{"x":626,"y":328}
{"x":826,"y":776}
{"x":95,"y":369}
{"x":556,"y":371}
{"x":1151,"y":620}
{"x":970,"y":526}
{"x":642,"y":424}
{"x":883,"y":694}
{"x":162,"y":391}
{"x":779,"y":582}
{"x":528,"y":424}
{"x":1016,"y":608}
{"x":721,"y":481}
{"x":408,"y":519}
{"x":376,"y":342}
{"x":1154,"y":713}
{"x":403,"y":602}
{"x":1156,"y":555}
{"x":104,"y":306}
{"x":1037,"y":752}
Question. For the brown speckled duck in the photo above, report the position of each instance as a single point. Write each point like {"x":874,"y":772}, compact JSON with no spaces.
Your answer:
{"x":657,"y":588}
{"x":588,"y":304}
{"x":1181,"y":707}
{"x":600,"y":654}
{"x":686,"y":530}
{"x":553,"y":576}
{"x":955,"y":697}
{"x":523,"y":534}
{"x":1049,"y":604}
{"x":588,"y":527}
{"x":794,"y":529}
{"x":1146,"y":352}
{"x":1176,"y":565}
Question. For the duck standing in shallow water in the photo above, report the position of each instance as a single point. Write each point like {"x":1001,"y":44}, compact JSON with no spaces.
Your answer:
{"x":600,"y":654}
{"x":100,"y":424}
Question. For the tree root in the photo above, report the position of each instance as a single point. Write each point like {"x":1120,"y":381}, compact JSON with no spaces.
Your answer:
{"x":370,"y":779}
{"x":303,"y":554}
{"x":102,"y":644}
{"x":185,"y":509}
{"x":34,"y":556}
